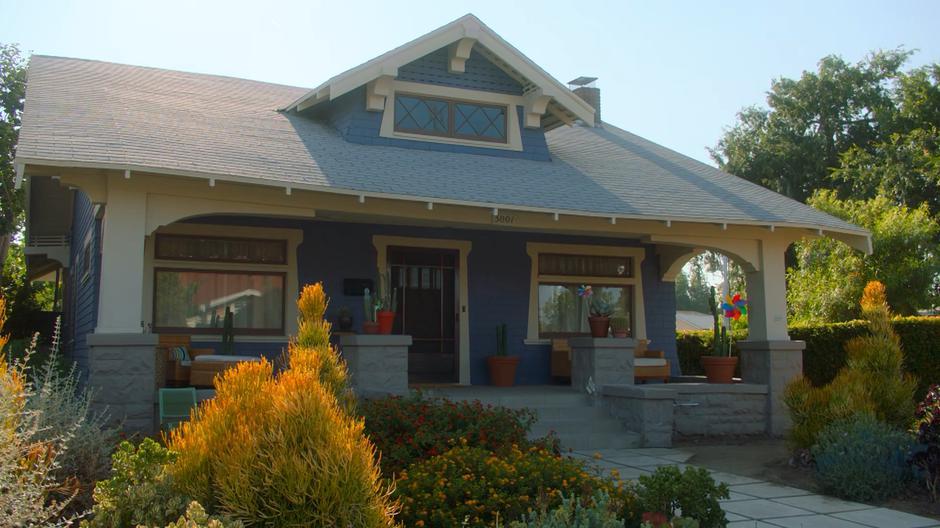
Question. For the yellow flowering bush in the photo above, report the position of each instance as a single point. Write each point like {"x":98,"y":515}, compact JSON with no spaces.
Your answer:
{"x":471,"y":486}
{"x":284,"y":449}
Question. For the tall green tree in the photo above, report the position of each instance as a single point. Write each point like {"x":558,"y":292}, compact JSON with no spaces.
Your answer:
{"x":795,"y":144}
{"x":12,"y":94}
{"x":830,"y":276}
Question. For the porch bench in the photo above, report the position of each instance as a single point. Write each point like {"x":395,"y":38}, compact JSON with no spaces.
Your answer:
{"x":176,"y":373}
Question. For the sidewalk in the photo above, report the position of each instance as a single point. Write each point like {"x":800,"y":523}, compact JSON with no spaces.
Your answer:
{"x":758,"y":504}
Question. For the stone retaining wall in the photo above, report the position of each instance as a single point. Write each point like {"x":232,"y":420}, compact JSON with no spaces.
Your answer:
{"x":660,"y":412}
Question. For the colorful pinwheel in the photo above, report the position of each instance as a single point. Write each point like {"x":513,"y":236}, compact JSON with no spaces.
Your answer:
{"x":734,"y":307}
{"x":585,"y":291}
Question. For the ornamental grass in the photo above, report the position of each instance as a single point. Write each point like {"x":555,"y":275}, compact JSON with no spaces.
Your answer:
{"x":284,"y":449}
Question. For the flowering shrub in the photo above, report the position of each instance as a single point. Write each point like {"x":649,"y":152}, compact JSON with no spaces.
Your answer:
{"x":926,"y":456}
{"x":284,"y":450}
{"x":196,"y":517}
{"x":478,"y":487}
{"x":406,"y":430}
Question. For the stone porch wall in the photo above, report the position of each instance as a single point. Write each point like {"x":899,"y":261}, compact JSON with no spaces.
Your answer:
{"x":658,"y":413}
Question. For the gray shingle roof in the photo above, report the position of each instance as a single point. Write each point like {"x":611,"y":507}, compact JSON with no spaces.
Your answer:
{"x":105,"y":114}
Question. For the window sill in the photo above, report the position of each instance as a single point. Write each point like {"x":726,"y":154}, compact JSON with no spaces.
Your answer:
{"x":536,"y":342}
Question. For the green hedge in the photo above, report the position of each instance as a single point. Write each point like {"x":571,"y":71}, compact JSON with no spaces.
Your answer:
{"x":825,"y":348}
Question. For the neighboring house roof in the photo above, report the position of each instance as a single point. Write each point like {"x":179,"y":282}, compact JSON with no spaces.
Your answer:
{"x":687,"y":320}
{"x":466,"y":33}
{"x":104,"y":115}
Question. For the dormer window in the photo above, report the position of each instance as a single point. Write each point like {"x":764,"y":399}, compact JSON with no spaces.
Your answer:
{"x":450,"y":118}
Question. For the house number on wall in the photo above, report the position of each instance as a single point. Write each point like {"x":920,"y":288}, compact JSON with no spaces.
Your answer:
{"x":504,"y":219}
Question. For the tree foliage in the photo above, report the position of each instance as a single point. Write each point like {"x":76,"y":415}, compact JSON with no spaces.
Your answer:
{"x":830,"y":275}
{"x":794,"y":145}
{"x":12,"y":94}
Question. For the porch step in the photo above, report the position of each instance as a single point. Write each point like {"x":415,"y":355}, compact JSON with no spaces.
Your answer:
{"x":570,"y":414}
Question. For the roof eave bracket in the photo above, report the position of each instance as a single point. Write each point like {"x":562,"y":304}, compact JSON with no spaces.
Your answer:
{"x":459,"y":53}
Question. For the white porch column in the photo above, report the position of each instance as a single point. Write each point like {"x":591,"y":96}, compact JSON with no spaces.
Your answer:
{"x":767,"y":294}
{"x":120,"y":295}
{"x":769,"y":357}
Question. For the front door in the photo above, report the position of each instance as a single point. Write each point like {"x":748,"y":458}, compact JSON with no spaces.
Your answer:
{"x":426,"y":280}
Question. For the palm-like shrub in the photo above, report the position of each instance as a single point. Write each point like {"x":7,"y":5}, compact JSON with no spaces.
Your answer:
{"x":873,"y":380}
{"x":284,"y":449}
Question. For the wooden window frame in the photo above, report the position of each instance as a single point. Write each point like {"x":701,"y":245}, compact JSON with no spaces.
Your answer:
{"x":637,"y":254}
{"x":451,"y":119}
{"x":163,"y":236}
{"x":218,"y":331}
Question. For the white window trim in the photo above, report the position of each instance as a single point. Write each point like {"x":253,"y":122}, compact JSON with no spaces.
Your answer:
{"x":635,"y":253}
{"x":293,"y":237}
{"x":513,"y":130}
{"x":463,"y":247}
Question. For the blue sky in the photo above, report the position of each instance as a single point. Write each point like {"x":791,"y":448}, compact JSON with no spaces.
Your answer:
{"x":674,"y":72}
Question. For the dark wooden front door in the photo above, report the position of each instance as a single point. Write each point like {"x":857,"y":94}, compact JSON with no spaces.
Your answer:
{"x":427,"y":310}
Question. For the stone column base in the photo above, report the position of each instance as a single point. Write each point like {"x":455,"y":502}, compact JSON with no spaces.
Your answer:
{"x":122,"y":376}
{"x":772,"y":363}
{"x":601,"y":361}
{"x":378,"y":364}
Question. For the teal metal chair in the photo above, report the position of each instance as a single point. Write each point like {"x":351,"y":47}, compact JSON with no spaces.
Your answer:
{"x":175,"y":406}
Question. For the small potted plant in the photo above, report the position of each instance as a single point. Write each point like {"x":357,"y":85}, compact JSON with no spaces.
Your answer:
{"x":501,"y":366}
{"x":369,"y":326}
{"x":620,"y":326}
{"x":599,"y":311}
{"x":720,"y":367}
{"x":344,"y":319}
{"x":386,"y":304}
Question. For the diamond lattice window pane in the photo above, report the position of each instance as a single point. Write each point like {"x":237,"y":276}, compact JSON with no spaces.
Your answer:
{"x":480,"y":121}
{"x":421,"y":115}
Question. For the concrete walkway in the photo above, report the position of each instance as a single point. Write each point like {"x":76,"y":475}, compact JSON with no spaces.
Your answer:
{"x":755,"y":503}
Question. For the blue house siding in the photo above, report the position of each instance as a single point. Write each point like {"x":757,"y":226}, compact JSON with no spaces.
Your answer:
{"x":82,"y":299}
{"x":479,"y":73}
{"x":499,"y":269}
{"x":349,"y":116}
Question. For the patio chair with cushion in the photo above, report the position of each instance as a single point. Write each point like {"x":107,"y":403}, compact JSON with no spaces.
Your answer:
{"x":176,"y":353}
{"x":175,"y":406}
{"x":649,"y":364}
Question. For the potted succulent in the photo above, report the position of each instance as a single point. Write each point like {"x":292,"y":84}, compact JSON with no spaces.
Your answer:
{"x":720,"y":367}
{"x":620,"y":326}
{"x":386,"y":303}
{"x":501,"y":366}
{"x":344,"y":319}
{"x":599,"y":311}
{"x":369,"y":326}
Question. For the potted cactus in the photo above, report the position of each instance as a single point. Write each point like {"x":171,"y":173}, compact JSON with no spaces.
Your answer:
{"x":369,"y":326}
{"x":620,"y":326}
{"x":228,"y":333}
{"x":502,"y":367}
{"x":720,"y":367}
{"x":386,"y":303}
{"x":599,"y":310}
{"x":344,"y":319}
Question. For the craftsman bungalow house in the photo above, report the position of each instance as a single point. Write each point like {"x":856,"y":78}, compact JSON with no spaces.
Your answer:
{"x":490,"y":190}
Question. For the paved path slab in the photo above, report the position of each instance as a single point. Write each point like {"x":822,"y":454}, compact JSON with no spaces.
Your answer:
{"x":754,"y":503}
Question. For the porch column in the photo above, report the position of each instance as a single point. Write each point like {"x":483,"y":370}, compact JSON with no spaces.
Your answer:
{"x":601,"y":362}
{"x":120,"y":293}
{"x":378,"y":364}
{"x":769,"y":357}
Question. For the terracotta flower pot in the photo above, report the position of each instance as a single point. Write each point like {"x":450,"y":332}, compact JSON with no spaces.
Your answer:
{"x":386,"y":321}
{"x":370,"y":327}
{"x":502,"y":370}
{"x":620,"y":333}
{"x":719,"y":369}
{"x":599,"y":326}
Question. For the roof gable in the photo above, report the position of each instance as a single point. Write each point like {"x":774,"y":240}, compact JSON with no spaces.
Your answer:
{"x":547,"y":99}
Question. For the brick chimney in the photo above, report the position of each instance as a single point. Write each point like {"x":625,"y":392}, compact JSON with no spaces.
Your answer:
{"x":585,"y":88}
